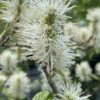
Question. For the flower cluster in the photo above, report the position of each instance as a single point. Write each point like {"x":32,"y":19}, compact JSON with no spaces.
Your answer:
{"x":80,"y":35}
{"x":83,"y":71}
{"x":94,"y":18}
{"x":39,"y":28}
{"x":45,"y":34}
{"x":71,"y":92}
{"x":12,"y":79}
{"x":19,"y":85}
{"x":8,"y":61}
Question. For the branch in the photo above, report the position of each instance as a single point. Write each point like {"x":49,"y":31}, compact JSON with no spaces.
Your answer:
{"x":51,"y":83}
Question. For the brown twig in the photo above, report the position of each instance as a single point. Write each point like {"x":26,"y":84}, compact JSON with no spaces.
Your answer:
{"x":49,"y":78}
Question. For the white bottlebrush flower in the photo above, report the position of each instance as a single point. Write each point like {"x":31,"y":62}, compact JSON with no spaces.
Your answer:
{"x":71,"y":92}
{"x":83,"y":71}
{"x":10,"y":10}
{"x":8,"y":61}
{"x":44,"y":13}
{"x":19,"y":85}
{"x":97,"y":68}
{"x":45,"y":35}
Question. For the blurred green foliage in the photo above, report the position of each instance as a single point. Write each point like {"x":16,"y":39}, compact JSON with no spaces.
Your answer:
{"x":2,"y":23}
{"x":2,"y":26}
{"x":79,"y":13}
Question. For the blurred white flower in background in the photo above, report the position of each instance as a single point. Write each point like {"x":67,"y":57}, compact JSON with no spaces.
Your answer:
{"x":84,"y":35}
{"x":71,"y":92}
{"x":19,"y":85}
{"x":97,"y":68}
{"x":94,"y":23}
{"x":83,"y":71}
{"x":70,"y":28}
{"x":93,"y":14}
{"x":8,"y":61}
{"x":79,"y":34}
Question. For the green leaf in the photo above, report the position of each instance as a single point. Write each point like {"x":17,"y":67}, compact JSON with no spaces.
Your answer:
{"x":44,"y":95}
